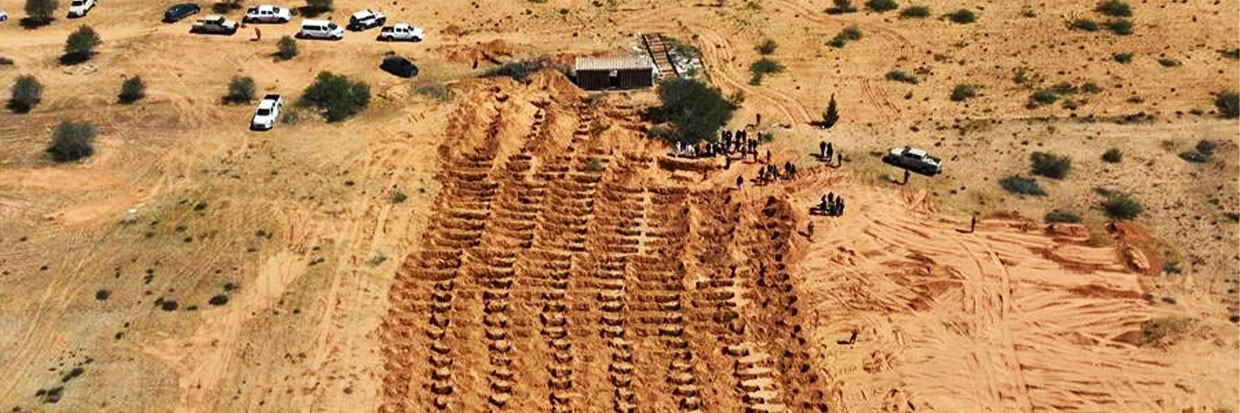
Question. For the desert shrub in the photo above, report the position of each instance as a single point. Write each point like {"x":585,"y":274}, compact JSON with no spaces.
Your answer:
{"x":1122,"y":27}
{"x":694,"y":109}
{"x":831,"y":115}
{"x":1228,"y":104}
{"x":880,"y":6}
{"x":902,"y":76}
{"x":1021,"y":185}
{"x":1114,"y":8}
{"x":102,"y":295}
{"x":399,"y":197}
{"x":27,"y":92}
{"x":962,"y":16}
{"x":72,"y":141}
{"x":1113,"y":155}
{"x":1121,"y":207}
{"x":4,"y":61}
{"x":287,"y":48}
{"x":439,"y":92}
{"x":1091,"y":87}
{"x":963,"y":92}
{"x":39,"y":12}
{"x":1062,"y":216}
{"x":1044,"y":97}
{"x":1084,"y":25}
{"x":241,"y":89}
{"x":1050,"y":165}
{"x":850,"y":33}
{"x":1206,"y":147}
{"x":915,"y":12}
{"x":1168,"y":62}
{"x":767,"y":47}
{"x":80,"y":45}
{"x":841,"y":7}
{"x":218,"y":300}
{"x":318,"y":6}
{"x":132,"y":90}
{"x":1122,"y":58}
{"x":763,"y":67}
{"x":336,"y":96}
{"x":519,"y":70}
{"x":1193,"y":156}
{"x":1233,"y":53}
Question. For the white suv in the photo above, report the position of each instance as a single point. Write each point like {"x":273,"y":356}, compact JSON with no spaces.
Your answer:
{"x":79,"y":8}
{"x":267,"y":14}
{"x":366,"y":19}
{"x":267,"y":113}
{"x":320,"y":29}
{"x":402,"y":32}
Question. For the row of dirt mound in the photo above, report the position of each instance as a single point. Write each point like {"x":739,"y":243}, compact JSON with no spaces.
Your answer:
{"x":562,"y":271}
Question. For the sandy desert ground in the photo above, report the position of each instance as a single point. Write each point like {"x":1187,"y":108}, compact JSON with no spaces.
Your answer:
{"x":545,"y":255}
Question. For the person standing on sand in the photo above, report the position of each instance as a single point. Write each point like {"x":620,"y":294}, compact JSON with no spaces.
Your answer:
{"x":822,"y":149}
{"x":258,"y":34}
{"x":839,"y":159}
{"x":906,"y":175}
{"x":768,"y":156}
{"x":840,"y":207}
{"x":809,"y":231}
{"x":830,"y":152}
{"x":973,"y":223}
{"x":740,"y":182}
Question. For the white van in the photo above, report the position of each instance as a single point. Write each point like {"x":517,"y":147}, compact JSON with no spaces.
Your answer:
{"x":320,"y":29}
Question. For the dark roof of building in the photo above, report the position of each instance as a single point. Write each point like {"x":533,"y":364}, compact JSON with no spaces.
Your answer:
{"x":613,"y":63}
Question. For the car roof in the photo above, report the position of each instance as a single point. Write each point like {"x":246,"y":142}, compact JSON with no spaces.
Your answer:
{"x":267,"y":104}
{"x":213,"y":17}
{"x":916,"y":152}
{"x":363,"y":13}
{"x":316,"y":22}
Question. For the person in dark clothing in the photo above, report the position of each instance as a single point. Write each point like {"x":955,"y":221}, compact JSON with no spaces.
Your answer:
{"x":740,"y":183}
{"x":727,"y":162}
{"x":825,"y":203}
{"x":839,"y":206}
{"x":972,"y":224}
{"x":822,"y":149}
{"x":839,"y":159}
{"x":768,"y":156}
{"x":906,"y":175}
{"x":829,"y":199}
{"x":830,"y":152}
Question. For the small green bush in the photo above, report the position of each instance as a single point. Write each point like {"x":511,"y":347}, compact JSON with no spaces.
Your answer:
{"x":1233,"y":53}
{"x":1113,"y":155}
{"x":39,"y":12}
{"x":72,"y":141}
{"x":1168,"y":62}
{"x":80,"y":46}
{"x":1122,"y":27}
{"x":841,"y":7}
{"x":902,"y":76}
{"x":399,"y":197}
{"x":1021,"y":185}
{"x":879,"y":6}
{"x":962,"y":16}
{"x":1228,"y":104}
{"x":287,"y":48}
{"x":1206,"y":147}
{"x":850,"y":33}
{"x":27,"y":92}
{"x":241,"y":89}
{"x":964,"y":92}
{"x":336,"y":96}
{"x":767,"y":47}
{"x":1084,"y":25}
{"x":831,"y":115}
{"x":439,"y":92}
{"x":318,"y":6}
{"x":763,"y":67}
{"x":1122,"y":207}
{"x":1122,"y":58}
{"x":1061,"y":216}
{"x":1044,"y":97}
{"x":1091,"y":88}
{"x":1114,"y":8}
{"x":695,"y":109}
{"x":519,"y":70}
{"x":1050,"y":165}
{"x":132,"y":90}
{"x":915,"y":12}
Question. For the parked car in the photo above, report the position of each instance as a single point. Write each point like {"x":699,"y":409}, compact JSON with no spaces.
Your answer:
{"x":320,"y":29}
{"x":177,"y":12}
{"x":4,"y":16}
{"x":267,"y":113}
{"x":214,"y":24}
{"x":366,"y":19}
{"x":399,"y":66}
{"x":401,"y":31}
{"x":913,"y":159}
{"x":79,"y":8}
{"x":267,"y":13}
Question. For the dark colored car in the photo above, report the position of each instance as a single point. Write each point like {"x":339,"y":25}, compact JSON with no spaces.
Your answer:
{"x":399,"y":66}
{"x":180,"y":11}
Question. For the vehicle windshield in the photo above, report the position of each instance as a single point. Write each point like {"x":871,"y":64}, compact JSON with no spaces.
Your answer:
{"x":332,"y":26}
{"x":77,"y":3}
{"x":264,"y":112}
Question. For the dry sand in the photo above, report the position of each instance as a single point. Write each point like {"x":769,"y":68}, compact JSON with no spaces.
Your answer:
{"x":561,"y":233}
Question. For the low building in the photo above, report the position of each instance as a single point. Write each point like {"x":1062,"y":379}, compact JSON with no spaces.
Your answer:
{"x":600,"y":73}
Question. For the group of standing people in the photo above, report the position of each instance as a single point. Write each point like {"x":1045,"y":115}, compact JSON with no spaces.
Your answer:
{"x":831,"y":205}
{"x":826,"y":152}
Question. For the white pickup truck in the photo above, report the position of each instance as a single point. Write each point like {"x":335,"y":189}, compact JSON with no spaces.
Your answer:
{"x":79,"y":8}
{"x":267,"y":13}
{"x":267,"y":113}
{"x":402,"y":32}
{"x":214,"y":24}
